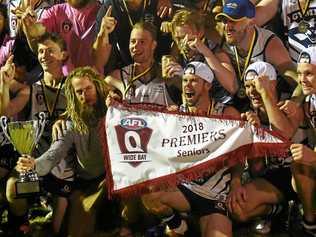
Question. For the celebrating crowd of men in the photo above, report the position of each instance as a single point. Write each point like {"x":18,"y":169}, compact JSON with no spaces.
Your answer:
{"x":232,"y":57}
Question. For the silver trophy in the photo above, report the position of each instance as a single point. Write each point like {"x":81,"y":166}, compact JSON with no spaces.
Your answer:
{"x":24,"y":136}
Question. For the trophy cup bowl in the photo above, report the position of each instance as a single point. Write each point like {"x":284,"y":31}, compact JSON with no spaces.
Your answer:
{"x":24,"y":136}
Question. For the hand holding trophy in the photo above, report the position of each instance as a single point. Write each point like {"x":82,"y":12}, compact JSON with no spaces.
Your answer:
{"x":24,"y":135}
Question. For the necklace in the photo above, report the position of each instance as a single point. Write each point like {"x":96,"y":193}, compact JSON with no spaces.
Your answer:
{"x":51,"y":107}
{"x":242,"y":92}
{"x":303,"y":26}
{"x":128,"y":13}
{"x":130,"y":87}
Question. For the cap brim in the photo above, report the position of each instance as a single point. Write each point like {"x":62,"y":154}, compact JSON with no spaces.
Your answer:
{"x":222,"y":15}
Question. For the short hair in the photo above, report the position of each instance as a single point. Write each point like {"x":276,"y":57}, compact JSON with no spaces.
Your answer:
{"x":147,"y":26}
{"x":189,"y":17}
{"x":56,"y":38}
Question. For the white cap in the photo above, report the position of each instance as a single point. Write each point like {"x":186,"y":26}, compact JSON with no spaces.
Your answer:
{"x":308,"y":55}
{"x":261,"y":69}
{"x":200,"y":69}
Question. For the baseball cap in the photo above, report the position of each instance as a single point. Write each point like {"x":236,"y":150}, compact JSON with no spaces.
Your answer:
{"x":237,"y":10}
{"x":308,"y":55}
{"x":261,"y":68}
{"x":200,"y":69}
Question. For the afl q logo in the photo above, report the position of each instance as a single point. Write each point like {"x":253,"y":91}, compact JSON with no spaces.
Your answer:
{"x":133,"y":135}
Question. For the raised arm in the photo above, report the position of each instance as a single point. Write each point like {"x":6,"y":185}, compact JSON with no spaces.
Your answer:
{"x":265,"y":11}
{"x":11,"y":106}
{"x":102,"y":47}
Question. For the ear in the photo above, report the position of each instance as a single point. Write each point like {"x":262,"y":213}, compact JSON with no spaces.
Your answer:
{"x":207,"y":85}
{"x":65,"y":56}
{"x":154,"y":45}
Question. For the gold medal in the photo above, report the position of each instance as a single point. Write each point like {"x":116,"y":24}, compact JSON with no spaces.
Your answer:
{"x":303,"y":27}
{"x":241,"y":92}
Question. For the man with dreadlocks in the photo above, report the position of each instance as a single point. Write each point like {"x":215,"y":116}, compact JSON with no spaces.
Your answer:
{"x":86,"y":94}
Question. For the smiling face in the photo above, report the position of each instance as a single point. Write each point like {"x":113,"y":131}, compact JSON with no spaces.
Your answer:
{"x":195,"y":89}
{"x":235,"y":31}
{"x":142,"y":46}
{"x":307,"y":77}
{"x":50,"y":55}
{"x":253,"y":95}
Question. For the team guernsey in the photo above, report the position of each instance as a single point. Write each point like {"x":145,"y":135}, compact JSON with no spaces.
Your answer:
{"x":310,"y":115}
{"x":153,"y":92}
{"x":216,"y":186}
{"x":39,"y":104}
{"x":300,"y":25}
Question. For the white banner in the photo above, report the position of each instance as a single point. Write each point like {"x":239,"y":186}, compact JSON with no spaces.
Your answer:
{"x":146,"y":146}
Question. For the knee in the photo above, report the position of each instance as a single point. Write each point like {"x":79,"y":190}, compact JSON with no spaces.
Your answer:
{"x":240,"y":216}
{"x":10,"y":189}
{"x":154,"y":204}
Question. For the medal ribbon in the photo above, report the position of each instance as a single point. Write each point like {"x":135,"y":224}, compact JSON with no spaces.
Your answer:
{"x":305,"y":7}
{"x":49,"y":108}
{"x":129,"y":16}
{"x":250,"y":51}
{"x":135,"y":78}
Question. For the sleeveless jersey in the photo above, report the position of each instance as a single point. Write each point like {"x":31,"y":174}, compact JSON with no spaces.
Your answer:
{"x":262,"y":39}
{"x":153,"y":92}
{"x":301,"y":28}
{"x":216,"y":186}
{"x":38,"y":104}
{"x":310,"y":115}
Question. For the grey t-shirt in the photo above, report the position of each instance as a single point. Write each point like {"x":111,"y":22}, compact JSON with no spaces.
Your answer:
{"x":89,"y":162}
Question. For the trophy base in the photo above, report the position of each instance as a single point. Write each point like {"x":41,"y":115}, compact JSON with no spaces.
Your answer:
{"x":27,"y":189}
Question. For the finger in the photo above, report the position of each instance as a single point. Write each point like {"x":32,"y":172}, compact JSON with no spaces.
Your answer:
{"x":164,"y":12}
{"x":160,"y":11}
{"x":295,"y":146}
{"x":243,"y":116}
{"x":108,"y":11}
{"x":63,"y":126}
{"x":170,"y":12}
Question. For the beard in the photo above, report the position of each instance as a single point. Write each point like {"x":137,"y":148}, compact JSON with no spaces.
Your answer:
{"x":89,"y":115}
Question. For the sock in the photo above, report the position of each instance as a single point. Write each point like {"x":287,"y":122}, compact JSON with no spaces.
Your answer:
{"x":275,"y":209}
{"x":309,"y":226}
{"x":173,"y":221}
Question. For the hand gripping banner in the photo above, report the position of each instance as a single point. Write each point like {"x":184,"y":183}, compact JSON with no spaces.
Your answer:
{"x":145,"y":146}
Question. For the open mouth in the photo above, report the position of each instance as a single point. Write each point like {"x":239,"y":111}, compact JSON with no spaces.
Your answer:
{"x":189,"y":95}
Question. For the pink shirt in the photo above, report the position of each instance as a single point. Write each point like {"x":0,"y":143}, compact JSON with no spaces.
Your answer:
{"x":6,"y":49}
{"x":76,"y":27}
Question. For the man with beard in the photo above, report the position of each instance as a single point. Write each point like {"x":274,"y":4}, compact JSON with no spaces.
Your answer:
{"x":73,"y":20}
{"x":191,"y":34}
{"x":204,"y":197}
{"x":86,"y":94}
{"x":247,"y":43}
{"x":141,"y":82}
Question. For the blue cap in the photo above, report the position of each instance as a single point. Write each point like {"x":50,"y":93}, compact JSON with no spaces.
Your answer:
{"x":237,"y":10}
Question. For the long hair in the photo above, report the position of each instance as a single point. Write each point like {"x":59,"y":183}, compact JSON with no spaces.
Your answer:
{"x":73,"y":105}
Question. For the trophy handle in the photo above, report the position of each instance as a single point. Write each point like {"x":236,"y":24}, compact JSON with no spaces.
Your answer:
{"x":41,"y":125}
{"x":4,"y":126}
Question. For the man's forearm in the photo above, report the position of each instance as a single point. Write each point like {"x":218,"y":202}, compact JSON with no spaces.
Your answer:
{"x":101,"y":51}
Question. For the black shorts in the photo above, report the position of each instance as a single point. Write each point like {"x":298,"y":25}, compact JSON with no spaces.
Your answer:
{"x":281,"y":178}
{"x":57,"y":186}
{"x":201,"y":206}
{"x":8,"y":156}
